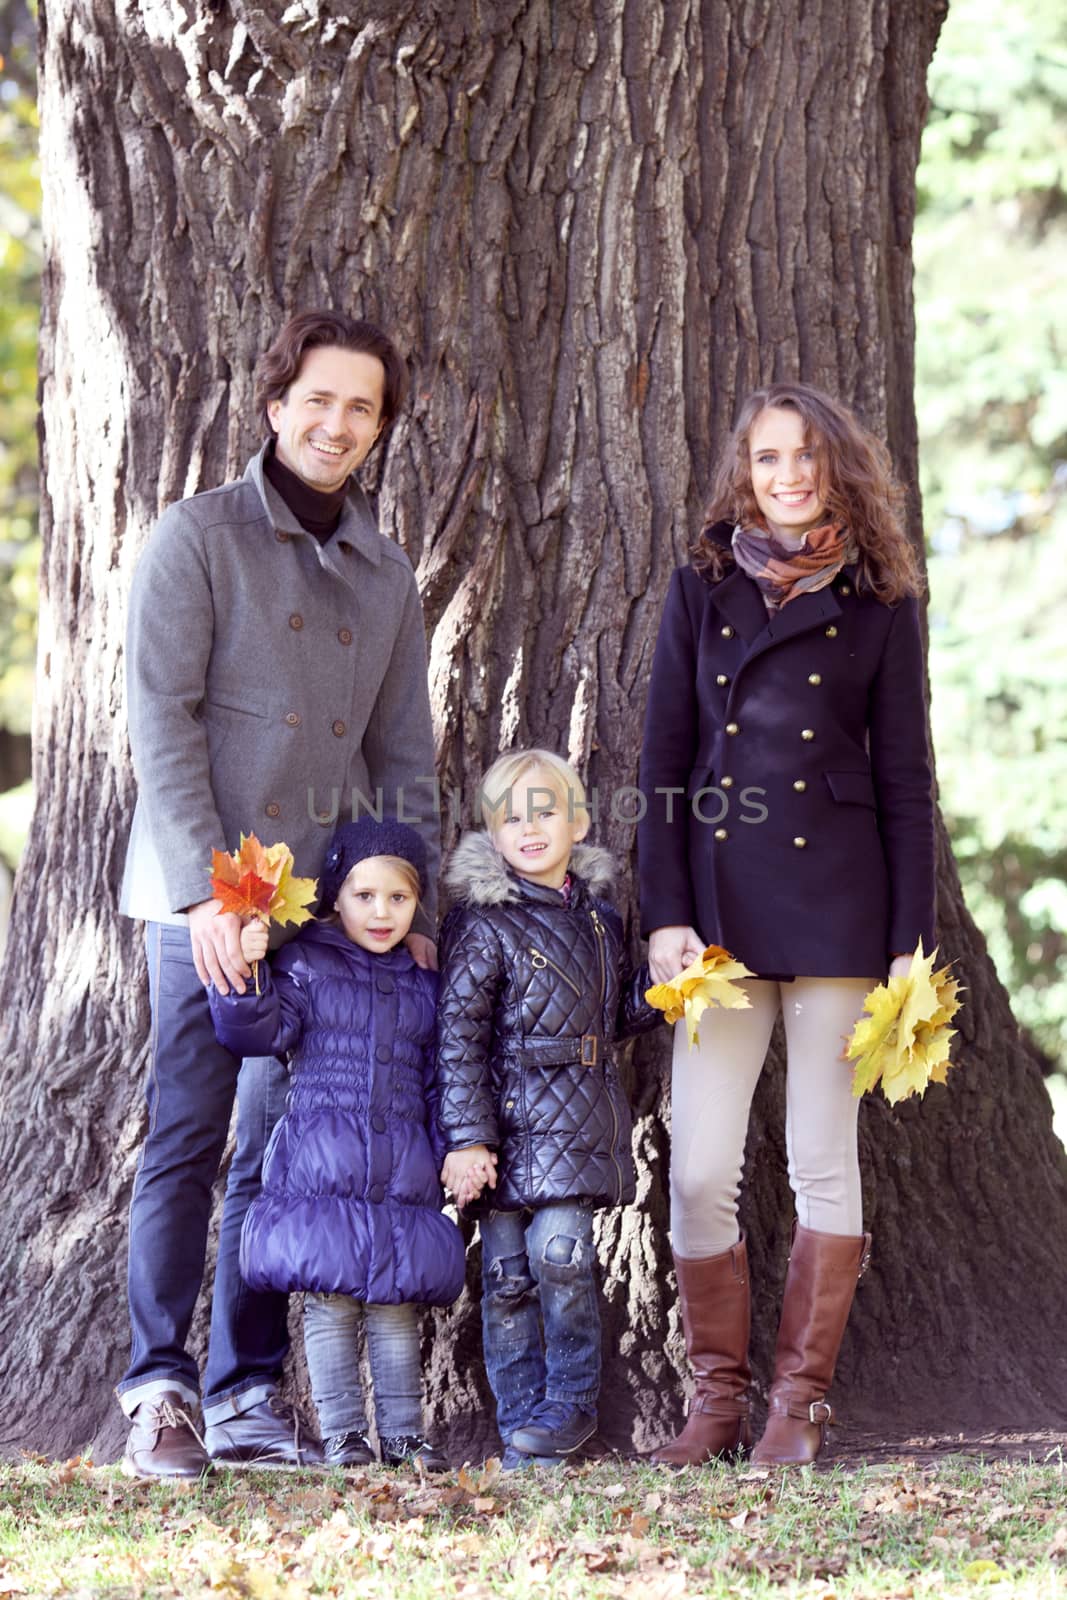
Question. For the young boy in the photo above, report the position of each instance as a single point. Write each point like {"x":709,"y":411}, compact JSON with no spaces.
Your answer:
{"x":534,"y":988}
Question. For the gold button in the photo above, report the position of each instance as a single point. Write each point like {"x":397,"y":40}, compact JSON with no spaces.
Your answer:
{"x":845,"y":589}
{"x":296,"y":621}
{"x":799,"y":842}
{"x":726,"y":783}
{"x":732,"y":727}
{"x":721,"y":833}
{"x":339,"y":728}
{"x":273,"y":810}
{"x":281,"y":536}
{"x":345,"y":635}
{"x":727,"y":632}
{"x":293,"y":719}
{"x":800,"y":785}
{"x":722,"y":680}
{"x":815,"y":678}
{"x":831,"y":632}
{"x":509,"y":1104}
{"x":807,"y":733}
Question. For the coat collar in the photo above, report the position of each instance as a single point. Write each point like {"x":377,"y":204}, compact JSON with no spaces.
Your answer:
{"x":477,"y":874}
{"x":356,"y":529}
{"x":738,"y":599}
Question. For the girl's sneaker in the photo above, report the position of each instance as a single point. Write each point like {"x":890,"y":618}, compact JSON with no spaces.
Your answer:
{"x":517,"y":1460}
{"x":408,"y":1449}
{"x":347,"y":1450}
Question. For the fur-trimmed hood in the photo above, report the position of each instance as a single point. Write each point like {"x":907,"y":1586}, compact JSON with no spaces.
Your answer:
{"x":477,"y":874}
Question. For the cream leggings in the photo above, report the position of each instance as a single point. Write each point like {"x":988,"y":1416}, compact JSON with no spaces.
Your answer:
{"x":711,"y":1092}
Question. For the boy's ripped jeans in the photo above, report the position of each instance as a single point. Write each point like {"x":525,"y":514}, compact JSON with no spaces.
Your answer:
{"x":539,"y":1270}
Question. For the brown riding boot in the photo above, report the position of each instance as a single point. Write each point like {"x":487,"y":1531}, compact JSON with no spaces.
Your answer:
{"x":824,"y":1269}
{"x":713,"y":1294}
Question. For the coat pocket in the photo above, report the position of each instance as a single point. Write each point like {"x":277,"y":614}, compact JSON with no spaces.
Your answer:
{"x":235,"y":699}
{"x":852,"y":788}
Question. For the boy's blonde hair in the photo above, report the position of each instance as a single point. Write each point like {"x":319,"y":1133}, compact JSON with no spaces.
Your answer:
{"x":506,"y":771}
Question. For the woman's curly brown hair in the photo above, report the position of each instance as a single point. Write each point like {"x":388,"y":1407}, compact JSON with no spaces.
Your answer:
{"x":856,"y":484}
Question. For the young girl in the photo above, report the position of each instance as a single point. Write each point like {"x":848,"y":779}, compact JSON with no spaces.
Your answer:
{"x":786,"y":705}
{"x":350,"y":1208}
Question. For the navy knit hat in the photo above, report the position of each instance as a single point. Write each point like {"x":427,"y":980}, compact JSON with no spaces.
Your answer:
{"x":357,"y":841}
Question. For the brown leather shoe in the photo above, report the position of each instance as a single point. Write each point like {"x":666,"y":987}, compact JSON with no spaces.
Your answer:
{"x":163,"y":1442}
{"x":824,"y":1269}
{"x":714,"y":1298}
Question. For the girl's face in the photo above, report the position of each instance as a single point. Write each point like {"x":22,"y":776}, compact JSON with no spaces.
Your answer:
{"x":376,"y":905}
{"x":785,"y":474}
{"x":535,"y":834}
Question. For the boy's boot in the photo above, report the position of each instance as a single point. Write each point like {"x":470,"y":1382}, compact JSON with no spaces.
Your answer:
{"x":824,"y":1269}
{"x":713,"y":1294}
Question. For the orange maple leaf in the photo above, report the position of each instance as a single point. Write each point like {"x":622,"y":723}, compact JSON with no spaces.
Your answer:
{"x":249,"y":897}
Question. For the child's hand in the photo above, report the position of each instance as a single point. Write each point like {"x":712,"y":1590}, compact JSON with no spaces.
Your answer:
{"x":255,"y":936}
{"x":466,"y":1172}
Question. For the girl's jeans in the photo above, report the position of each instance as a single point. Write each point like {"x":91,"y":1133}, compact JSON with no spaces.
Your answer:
{"x":539,"y":1270}
{"x":330,"y":1324}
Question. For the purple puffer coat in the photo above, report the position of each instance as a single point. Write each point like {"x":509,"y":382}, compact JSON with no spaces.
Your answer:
{"x":351,"y":1202}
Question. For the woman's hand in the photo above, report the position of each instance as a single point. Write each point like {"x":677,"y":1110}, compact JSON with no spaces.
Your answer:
{"x":900,"y":966}
{"x":672,"y":949}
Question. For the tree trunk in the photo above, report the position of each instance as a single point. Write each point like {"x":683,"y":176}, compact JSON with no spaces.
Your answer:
{"x":595,"y":224}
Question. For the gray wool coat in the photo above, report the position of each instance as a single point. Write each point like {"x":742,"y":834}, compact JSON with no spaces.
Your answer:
{"x":270,"y":679}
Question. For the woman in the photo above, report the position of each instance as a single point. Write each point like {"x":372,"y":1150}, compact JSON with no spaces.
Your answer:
{"x":786,"y":705}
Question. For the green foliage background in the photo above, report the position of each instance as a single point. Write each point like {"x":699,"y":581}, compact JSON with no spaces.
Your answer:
{"x":992,"y":404}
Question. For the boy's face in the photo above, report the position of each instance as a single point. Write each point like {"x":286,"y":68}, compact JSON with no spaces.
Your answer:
{"x":535,"y":834}
{"x":375,"y":905}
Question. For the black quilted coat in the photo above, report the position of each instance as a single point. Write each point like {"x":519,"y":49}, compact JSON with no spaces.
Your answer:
{"x":533,"y":991}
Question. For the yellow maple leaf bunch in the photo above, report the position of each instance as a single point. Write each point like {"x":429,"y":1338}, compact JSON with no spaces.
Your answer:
{"x":710,"y":980}
{"x":904,"y":1041}
{"x":257,"y":881}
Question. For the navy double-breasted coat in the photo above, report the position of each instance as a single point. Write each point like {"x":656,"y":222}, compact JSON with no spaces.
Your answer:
{"x":786,"y":773}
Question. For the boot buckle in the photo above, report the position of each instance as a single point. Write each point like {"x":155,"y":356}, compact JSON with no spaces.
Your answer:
{"x":820,"y":1412}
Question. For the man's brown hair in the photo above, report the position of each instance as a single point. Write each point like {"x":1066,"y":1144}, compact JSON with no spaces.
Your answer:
{"x":280,"y":364}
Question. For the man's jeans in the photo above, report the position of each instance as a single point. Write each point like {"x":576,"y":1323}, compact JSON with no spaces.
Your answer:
{"x":191,"y":1087}
{"x":539,"y":1268}
{"x":331,"y":1323}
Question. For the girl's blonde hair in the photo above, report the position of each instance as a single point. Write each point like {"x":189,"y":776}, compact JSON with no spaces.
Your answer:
{"x":856,"y":484}
{"x":495,"y":789}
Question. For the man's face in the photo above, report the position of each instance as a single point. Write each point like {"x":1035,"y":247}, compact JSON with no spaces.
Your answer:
{"x":330,"y":415}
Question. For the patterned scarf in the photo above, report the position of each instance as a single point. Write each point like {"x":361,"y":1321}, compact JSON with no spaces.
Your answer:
{"x":784,"y":571}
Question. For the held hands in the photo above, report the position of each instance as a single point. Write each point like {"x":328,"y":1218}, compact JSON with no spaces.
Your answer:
{"x":255,"y":937}
{"x":672,"y":949}
{"x":466,"y":1173}
{"x":216,"y":943}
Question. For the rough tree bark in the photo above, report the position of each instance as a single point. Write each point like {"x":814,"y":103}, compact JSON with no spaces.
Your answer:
{"x":595,"y":224}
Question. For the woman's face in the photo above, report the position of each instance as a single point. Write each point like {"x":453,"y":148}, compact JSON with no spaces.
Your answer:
{"x":785,"y":476}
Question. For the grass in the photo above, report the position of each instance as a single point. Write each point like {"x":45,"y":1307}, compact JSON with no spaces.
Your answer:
{"x":900,"y":1532}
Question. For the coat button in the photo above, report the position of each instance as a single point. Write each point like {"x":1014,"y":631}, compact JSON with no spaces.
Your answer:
{"x":722,"y":680}
{"x":799,"y":842}
{"x":376,"y":1194}
{"x":293,"y":719}
{"x":815,"y":678}
{"x":281,"y":536}
{"x":378,"y":1123}
{"x":732,"y":728}
{"x":845,"y":588}
{"x":273,"y":809}
{"x":296,"y":621}
{"x":727,"y":632}
{"x":383,"y":1053}
{"x":385,"y":984}
{"x":807,"y":733}
{"x":339,"y":729}
{"x":831,"y":632}
{"x":799,"y":785}
{"x":509,"y":1105}
{"x":721,"y":833}
{"x":326,"y":818}
{"x":726,"y":783}
{"x":345,"y":635}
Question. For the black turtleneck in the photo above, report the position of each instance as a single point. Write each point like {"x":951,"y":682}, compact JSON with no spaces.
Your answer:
{"x":318,"y":513}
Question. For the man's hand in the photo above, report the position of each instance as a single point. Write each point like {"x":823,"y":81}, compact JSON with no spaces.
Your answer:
{"x":466,"y":1172}
{"x":670,"y":950}
{"x":216,"y":942}
{"x":423,"y":950}
{"x":900,"y":966}
{"x":255,"y":937}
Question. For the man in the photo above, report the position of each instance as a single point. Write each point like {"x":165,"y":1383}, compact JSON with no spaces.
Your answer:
{"x":276,"y":668}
